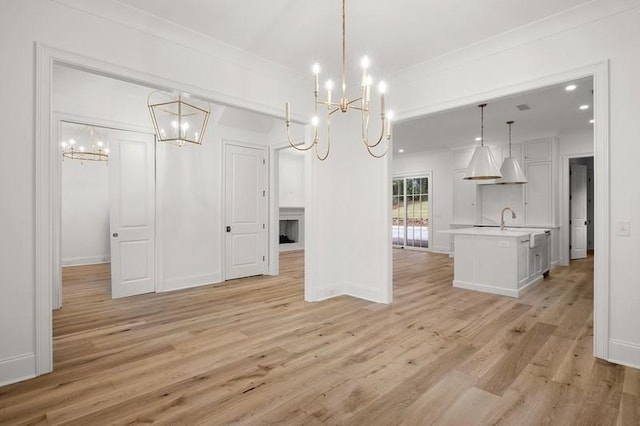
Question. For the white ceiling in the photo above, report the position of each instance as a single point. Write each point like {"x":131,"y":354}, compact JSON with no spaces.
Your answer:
{"x":553,"y":111}
{"x":395,"y":34}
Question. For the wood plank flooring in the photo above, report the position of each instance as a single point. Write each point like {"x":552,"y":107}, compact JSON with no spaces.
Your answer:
{"x":251,"y":351}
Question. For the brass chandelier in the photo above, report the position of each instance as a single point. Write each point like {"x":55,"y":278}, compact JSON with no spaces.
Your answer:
{"x":87,"y":145}
{"x":343,"y":105}
{"x":177,"y":120}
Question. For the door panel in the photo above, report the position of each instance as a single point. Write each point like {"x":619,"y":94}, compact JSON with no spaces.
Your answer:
{"x":132,"y":200}
{"x":245,"y":212}
{"x":578,"y":185}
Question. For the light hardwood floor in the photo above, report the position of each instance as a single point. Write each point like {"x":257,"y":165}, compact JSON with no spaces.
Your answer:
{"x":251,"y":351}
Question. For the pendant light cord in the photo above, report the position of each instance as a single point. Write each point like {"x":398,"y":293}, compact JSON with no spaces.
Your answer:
{"x":482,"y":123}
{"x":510,"y":123}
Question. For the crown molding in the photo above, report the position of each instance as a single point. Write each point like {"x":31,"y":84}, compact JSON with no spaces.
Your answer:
{"x":558,"y":23}
{"x":122,"y":14}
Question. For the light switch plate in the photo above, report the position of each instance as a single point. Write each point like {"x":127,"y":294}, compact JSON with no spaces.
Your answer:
{"x":623,"y":229}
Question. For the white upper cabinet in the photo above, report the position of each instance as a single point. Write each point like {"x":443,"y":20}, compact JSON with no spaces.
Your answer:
{"x":538,"y":150}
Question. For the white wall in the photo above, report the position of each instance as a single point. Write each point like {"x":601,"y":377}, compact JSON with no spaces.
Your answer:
{"x":291,"y":175}
{"x":85,"y":212}
{"x":440,"y":163}
{"x":348,"y":219}
{"x":221,"y":73}
{"x":524,"y":56}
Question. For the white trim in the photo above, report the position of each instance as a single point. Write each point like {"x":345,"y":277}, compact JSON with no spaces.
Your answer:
{"x":485,"y":288}
{"x":46,"y":157}
{"x":181,"y":283}
{"x":17,"y":368}
{"x":564,"y":206}
{"x":85,"y":260}
{"x":366,"y":293}
{"x":43,"y":213}
{"x":625,"y":353}
{"x":602,"y":221}
{"x":136,"y":19}
{"x":223,"y":180}
{"x":600,"y":73}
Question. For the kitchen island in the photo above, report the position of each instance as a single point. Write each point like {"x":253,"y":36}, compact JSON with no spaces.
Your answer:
{"x":507,"y":262}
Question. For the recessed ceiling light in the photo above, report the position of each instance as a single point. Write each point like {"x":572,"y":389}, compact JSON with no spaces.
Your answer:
{"x":583,"y":107}
{"x":592,"y":121}
{"x":401,"y":150}
{"x":478,"y":139}
{"x":570,"y":87}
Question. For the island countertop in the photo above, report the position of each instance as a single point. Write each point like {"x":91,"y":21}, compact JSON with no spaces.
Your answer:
{"x":497,"y":232}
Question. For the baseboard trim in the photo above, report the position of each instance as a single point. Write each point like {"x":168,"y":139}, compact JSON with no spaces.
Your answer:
{"x":365,"y":293}
{"x":182,"y":283}
{"x":329,"y":292}
{"x":87,"y":260}
{"x":441,"y":249}
{"x":17,"y":369}
{"x":624,"y":353}
{"x":497,"y":290}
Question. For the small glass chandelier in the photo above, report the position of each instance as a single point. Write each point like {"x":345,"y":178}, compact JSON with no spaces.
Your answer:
{"x":177,"y":121}
{"x":88,"y":145}
{"x":511,"y":171}
{"x":482,"y":164}
{"x":343,"y":105}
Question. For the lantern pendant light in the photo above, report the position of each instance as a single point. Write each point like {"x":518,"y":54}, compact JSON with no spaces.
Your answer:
{"x":511,"y":171}
{"x":482,"y":164}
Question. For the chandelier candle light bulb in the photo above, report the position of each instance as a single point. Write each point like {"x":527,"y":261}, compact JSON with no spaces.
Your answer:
{"x":345,"y":104}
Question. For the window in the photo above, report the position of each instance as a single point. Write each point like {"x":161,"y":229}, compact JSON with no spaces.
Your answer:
{"x":411,"y":212}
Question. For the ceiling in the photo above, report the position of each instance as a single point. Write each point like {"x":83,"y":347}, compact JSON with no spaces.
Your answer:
{"x":395,"y":34}
{"x":553,"y":111}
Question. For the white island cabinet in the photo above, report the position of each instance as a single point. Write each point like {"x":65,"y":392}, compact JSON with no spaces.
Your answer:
{"x":506,"y":262}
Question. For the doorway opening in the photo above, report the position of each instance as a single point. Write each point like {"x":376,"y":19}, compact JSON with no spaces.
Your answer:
{"x":581,"y":223}
{"x":411,"y":213}
{"x":107,"y":210}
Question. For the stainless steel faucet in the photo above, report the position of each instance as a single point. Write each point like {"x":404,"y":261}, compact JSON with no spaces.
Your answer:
{"x":513,"y":216}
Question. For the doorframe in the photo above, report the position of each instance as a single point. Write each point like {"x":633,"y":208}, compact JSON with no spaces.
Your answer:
{"x":46,"y":157}
{"x":599,"y":71}
{"x":274,"y":204}
{"x":223,"y":182}
{"x":565,"y":191}
{"x":419,"y":174}
{"x":56,"y":189}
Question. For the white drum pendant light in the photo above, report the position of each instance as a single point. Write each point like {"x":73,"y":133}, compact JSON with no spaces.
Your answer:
{"x":511,"y":171}
{"x":482,"y":164}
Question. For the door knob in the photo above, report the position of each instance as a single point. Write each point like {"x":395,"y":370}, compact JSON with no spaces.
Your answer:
{"x":228,"y":229}
{"x":115,"y":235}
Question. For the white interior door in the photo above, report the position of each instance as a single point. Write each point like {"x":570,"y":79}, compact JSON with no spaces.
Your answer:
{"x":132,"y":202}
{"x":245,"y":211}
{"x":578,"y":179}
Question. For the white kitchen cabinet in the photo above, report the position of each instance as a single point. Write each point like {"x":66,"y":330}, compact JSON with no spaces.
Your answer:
{"x":499,"y":261}
{"x":538,"y":150}
{"x":538,"y":193}
{"x":465,"y":194}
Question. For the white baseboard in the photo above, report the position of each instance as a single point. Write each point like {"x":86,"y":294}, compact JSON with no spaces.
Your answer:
{"x":441,"y":249}
{"x":365,"y":293}
{"x":625,"y":353}
{"x":497,"y":290}
{"x":87,"y":260}
{"x":16,"y":369}
{"x":318,"y":295}
{"x":182,"y":283}
{"x":291,"y":247}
